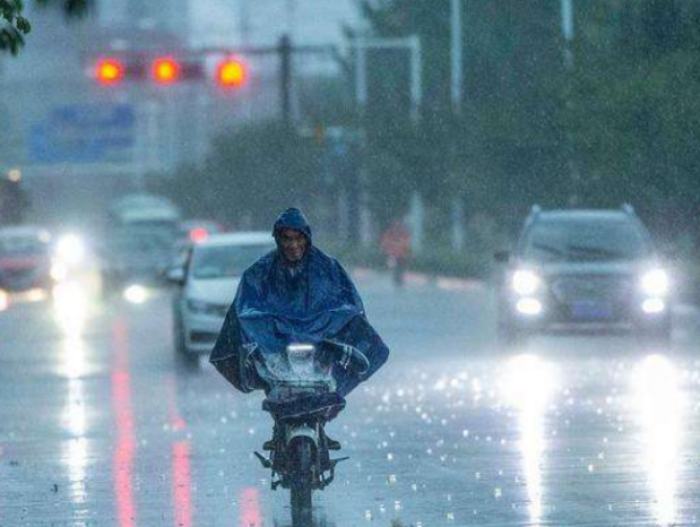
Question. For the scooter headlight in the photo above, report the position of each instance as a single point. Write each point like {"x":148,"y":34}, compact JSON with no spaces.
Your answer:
{"x":525,"y":282}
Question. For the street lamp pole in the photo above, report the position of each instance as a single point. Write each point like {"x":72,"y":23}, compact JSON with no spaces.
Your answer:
{"x":567,"y":30}
{"x":456,"y":54}
{"x":457,"y":205}
{"x":412,"y":44}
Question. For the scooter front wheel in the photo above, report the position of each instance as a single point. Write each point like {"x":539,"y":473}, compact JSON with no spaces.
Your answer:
{"x":302,"y":454}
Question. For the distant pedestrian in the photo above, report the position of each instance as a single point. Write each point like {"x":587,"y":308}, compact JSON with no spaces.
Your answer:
{"x":396,"y":246}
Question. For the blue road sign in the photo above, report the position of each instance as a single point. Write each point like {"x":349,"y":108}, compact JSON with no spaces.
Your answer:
{"x":84,"y":133}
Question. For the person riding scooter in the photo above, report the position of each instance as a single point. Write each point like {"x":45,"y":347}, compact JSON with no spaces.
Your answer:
{"x":295,"y":293}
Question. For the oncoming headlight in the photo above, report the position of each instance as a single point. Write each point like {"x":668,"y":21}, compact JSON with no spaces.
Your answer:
{"x":655,"y":282}
{"x":525,"y":282}
{"x":135,"y":294}
{"x":70,"y":249}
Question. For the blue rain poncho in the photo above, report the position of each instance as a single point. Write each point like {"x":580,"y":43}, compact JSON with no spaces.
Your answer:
{"x":275,"y":306}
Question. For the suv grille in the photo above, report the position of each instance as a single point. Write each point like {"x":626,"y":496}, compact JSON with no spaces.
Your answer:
{"x":567,"y":289}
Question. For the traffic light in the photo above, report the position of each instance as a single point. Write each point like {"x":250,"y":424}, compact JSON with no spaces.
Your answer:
{"x":109,"y":71}
{"x":165,"y":70}
{"x":231,"y":73}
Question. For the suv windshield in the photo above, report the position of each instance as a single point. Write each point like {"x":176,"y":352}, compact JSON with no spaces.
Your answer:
{"x":584,"y":239}
{"x":226,"y":261}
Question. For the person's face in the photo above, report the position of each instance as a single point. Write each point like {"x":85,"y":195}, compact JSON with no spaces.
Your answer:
{"x":293,"y":244}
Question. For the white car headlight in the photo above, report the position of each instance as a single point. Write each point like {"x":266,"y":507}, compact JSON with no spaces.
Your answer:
{"x":525,"y":282}
{"x":655,"y":283}
{"x":202,"y":307}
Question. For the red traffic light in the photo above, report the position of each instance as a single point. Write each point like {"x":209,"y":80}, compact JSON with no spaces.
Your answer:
{"x":165,"y":70}
{"x":109,"y":71}
{"x":231,"y":73}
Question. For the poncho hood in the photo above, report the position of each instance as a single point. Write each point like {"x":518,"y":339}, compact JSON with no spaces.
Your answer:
{"x":292,"y":218}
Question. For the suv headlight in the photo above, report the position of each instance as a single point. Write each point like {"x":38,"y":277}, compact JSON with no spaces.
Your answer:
{"x":655,"y":282}
{"x":525,"y":282}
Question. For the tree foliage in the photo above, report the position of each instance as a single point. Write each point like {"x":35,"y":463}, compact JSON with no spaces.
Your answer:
{"x":16,"y":26}
{"x":618,"y":126}
{"x":250,"y":171}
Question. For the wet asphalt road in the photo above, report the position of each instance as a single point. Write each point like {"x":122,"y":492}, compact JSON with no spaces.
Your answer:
{"x":100,"y":426}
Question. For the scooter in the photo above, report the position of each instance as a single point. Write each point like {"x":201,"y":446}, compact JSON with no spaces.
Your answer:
{"x":301,"y":400}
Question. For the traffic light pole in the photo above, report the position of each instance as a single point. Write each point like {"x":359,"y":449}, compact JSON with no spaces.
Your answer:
{"x":411,"y":44}
{"x":285,"y":51}
{"x":285,"y":56}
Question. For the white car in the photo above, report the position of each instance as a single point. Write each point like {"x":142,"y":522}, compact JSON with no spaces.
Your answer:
{"x":208,"y":284}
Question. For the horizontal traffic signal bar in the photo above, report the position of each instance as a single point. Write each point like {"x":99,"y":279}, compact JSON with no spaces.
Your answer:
{"x":164,"y":70}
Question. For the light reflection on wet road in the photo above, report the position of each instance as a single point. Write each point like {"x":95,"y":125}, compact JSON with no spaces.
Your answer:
{"x":102,"y":427}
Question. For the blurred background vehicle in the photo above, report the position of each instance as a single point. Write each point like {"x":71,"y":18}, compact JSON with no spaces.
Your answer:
{"x":208,"y":284}
{"x":139,"y":242}
{"x":25,"y":263}
{"x":584,"y":269}
{"x":145,"y":214}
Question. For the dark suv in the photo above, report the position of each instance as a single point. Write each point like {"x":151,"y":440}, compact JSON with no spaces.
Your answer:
{"x":584,"y":269}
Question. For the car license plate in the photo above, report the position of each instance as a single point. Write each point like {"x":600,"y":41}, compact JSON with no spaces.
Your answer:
{"x":591,"y":310}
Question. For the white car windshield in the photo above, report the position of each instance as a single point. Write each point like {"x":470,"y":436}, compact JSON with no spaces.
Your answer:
{"x":226,"y":261}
